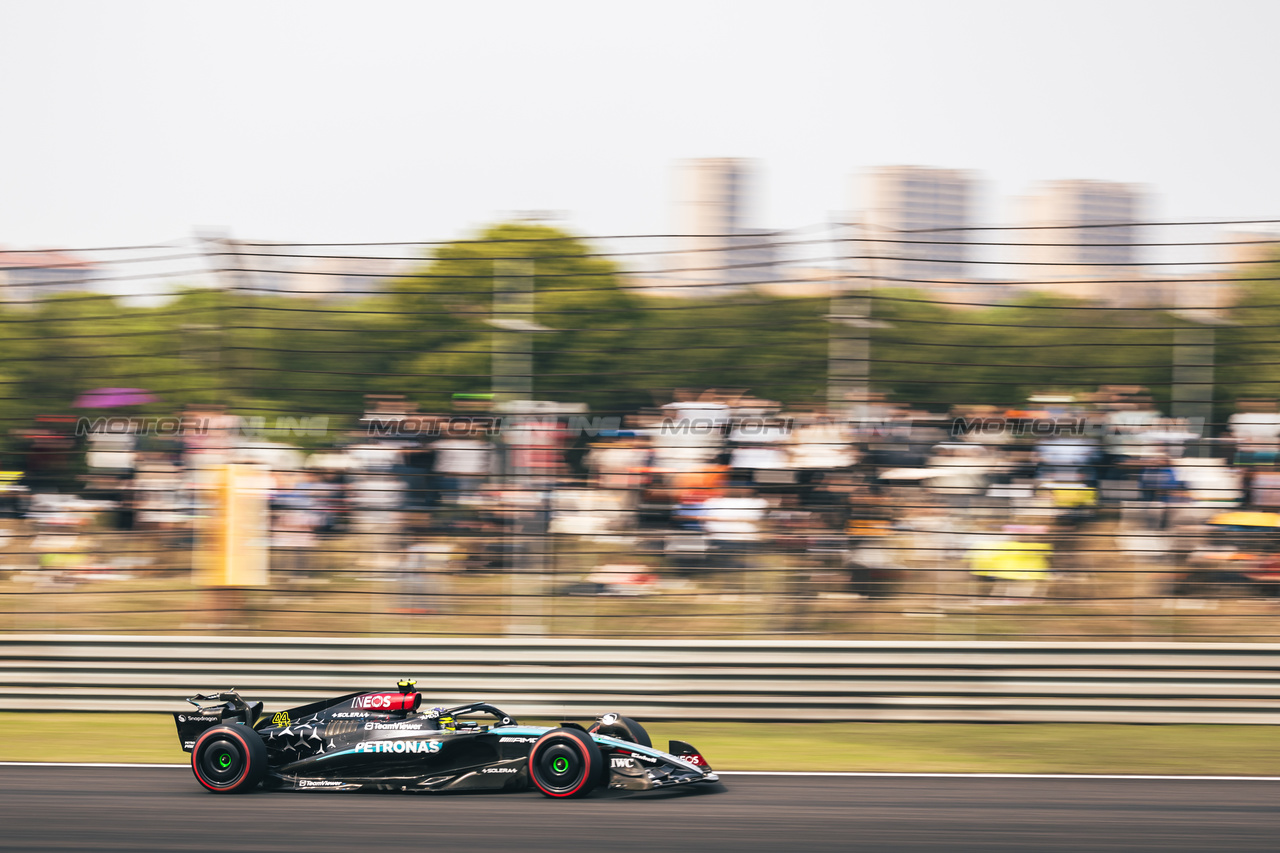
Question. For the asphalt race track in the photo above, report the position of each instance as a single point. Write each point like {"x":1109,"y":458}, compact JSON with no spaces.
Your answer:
{"x":154,"y":809}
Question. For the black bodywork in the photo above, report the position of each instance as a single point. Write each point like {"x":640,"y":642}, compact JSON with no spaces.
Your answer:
{"x":382,"y":741}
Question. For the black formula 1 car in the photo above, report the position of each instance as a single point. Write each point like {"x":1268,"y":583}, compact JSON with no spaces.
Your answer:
{"x":381,"y":741}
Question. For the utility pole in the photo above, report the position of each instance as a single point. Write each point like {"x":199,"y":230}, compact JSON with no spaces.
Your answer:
{"x":513,"y":322}
{"x":1191,"y":397}
{"x":849,"y":337}
{"x":512,"y":382}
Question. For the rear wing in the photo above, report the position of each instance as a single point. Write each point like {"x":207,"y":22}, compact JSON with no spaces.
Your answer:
{"x":191,"y":726}
{"x":211,"y":710}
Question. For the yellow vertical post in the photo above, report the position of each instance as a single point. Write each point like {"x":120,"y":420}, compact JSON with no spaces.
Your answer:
{"x":233,"y":529}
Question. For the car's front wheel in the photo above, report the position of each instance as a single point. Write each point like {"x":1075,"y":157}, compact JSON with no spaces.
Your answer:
{"x":566,"y":763}
{"x":229,"y":759}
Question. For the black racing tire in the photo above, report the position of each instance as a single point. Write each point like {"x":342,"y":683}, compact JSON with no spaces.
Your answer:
{"x":566,"y":763}
{"x":623,"y":728}
{"x":229,"y":759}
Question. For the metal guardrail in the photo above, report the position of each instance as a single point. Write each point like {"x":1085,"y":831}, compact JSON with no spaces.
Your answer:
{"x":673,"y":679}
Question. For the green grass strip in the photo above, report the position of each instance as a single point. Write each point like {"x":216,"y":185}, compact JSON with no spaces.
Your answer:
{"x":898,"y":747}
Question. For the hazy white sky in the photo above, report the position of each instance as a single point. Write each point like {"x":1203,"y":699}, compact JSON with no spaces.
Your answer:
{"x":136,"y":121}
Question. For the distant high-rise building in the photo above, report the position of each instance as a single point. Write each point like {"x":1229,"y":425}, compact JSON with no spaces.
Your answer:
{"x":1246,"y":257}
{"x":1248,"y":254}
{"x":718,"y":252}
{"x":287,"y":270}
{"x":36,"y":275}
{"x":907,"y":205}
{"x":1096,"y":248}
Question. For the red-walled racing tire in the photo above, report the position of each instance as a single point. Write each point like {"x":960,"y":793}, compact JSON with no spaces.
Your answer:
{"x":229,"y":759}
{"x":566,"y":763}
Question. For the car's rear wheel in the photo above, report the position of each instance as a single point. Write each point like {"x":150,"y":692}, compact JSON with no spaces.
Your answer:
{"x":623,"y":728}
{"x":566,"y":763}
{"x":229,"y":759}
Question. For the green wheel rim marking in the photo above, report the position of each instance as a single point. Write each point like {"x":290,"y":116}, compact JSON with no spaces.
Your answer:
{"x":224,"y":760}
{"x":560,"y":764}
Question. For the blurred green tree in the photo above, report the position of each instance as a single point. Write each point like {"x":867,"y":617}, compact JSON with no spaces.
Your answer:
{"x":447,"y":307}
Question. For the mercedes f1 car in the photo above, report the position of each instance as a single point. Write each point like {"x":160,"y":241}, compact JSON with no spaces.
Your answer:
{"x":382,"y":741}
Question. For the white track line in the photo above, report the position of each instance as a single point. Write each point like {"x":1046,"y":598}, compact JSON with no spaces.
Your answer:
{"x":887,"y":775}
{"x":864,"y":774}
{"x":83,"y":764}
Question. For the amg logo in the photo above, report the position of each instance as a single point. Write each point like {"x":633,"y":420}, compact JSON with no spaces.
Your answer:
{"x":517,"y":739}
{"x":427,"y":746}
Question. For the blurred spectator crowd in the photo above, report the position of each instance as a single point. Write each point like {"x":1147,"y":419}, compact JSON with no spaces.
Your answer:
{"x":1103,"y":495}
